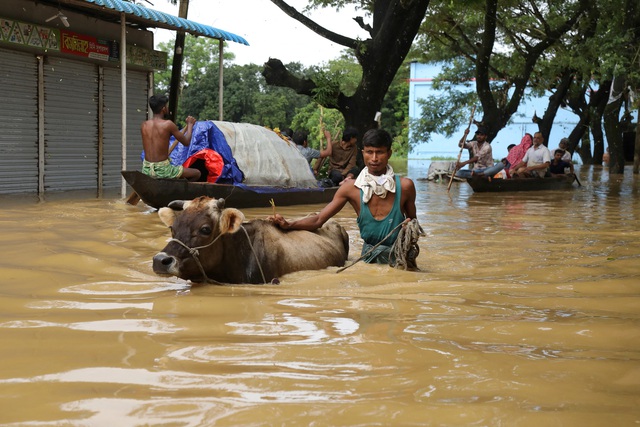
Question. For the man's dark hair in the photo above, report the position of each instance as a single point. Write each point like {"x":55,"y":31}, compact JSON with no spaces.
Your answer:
{"x":288,"y":132}
{"x":377,"y":138}
{"x":349,"y":133}
{"x":510,"y":146}
{"x":157,"y":103}
{"x":559,"y":150}
{"x":299,"y":137}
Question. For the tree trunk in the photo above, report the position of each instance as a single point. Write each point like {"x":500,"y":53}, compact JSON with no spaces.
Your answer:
{"x":555,"y":101}
{"x":636,"y":153}
{"x":585,"y":149}
{"x":176,"y":68}
{"x":395,"y":25}
{"x":613,"y":129}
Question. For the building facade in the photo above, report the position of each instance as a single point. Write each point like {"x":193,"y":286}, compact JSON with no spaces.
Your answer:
{"x":61,"y":98}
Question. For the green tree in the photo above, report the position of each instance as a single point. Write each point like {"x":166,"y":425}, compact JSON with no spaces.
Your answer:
{"x":497,"y":45}
{"x":392,"y":28}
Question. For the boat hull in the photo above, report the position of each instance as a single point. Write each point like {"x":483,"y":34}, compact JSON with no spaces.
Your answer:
{"x":483,"y":185}
{"x":159,"y":192}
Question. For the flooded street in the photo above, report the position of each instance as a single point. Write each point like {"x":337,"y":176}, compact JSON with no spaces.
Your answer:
{"x":526,"y":313}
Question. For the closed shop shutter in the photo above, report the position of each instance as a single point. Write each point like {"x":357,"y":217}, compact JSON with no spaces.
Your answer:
{"x":136,"y":114}
{"x":71,"y":124}
{"x":18,"y":122}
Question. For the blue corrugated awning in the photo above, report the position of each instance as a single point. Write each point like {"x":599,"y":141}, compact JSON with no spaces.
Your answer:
{"x":164,"y":20}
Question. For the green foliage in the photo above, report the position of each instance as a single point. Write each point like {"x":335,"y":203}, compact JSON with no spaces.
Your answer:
{"x":248,"y":99}
{"x":327,"y":90}
{"x":341,"y":75}
{"x":442,"y":113}
{"x":312,"y":118}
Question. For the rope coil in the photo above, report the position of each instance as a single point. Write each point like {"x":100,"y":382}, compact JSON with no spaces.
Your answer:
{"x":407,"y":251}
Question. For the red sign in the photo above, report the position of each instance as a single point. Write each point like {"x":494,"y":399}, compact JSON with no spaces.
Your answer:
{"x":85,"y":46}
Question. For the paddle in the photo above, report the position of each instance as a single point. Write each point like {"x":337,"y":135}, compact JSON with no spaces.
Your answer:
{"x":462,"y":141}
{"x":575,"y":175}
{"x":134,"y":198}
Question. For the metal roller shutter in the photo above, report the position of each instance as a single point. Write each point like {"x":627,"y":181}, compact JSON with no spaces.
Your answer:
{"x":18,"y":122}
{"x":71,"y":124}
{"x":136,"y":114}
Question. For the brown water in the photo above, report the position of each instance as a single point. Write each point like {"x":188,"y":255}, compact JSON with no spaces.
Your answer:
{"x":526,"y":313}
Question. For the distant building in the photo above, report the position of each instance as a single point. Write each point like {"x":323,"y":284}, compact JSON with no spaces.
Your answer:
{"x":420,"y":87}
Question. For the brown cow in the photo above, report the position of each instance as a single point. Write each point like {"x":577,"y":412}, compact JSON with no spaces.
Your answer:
{"x":212,"y":244}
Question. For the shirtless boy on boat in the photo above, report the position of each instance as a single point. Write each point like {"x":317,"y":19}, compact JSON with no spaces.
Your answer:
{"x":156,"y":133}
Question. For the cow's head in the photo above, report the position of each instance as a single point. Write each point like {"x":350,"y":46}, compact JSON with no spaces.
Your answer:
{"x":196,"y":225}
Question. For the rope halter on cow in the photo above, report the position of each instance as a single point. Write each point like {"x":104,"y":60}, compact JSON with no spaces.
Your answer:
{"x":195,"y":254}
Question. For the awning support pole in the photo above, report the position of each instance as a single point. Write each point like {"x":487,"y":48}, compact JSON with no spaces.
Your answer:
{"x":123,"y":84}
{"x":220,"y":81}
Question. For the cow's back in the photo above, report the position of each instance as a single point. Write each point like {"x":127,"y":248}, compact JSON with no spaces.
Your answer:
{"x":284,"y":252}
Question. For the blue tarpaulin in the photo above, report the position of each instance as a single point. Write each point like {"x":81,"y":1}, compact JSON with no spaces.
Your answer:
{"x":207,"y":135}
{"x":253,"y":156}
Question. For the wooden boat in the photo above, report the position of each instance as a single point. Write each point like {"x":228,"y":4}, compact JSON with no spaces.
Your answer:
{"x":159,"y":192}
{"x":483,"y":184}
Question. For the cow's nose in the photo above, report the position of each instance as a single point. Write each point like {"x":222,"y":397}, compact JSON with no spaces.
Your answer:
{"x":162,"y":263}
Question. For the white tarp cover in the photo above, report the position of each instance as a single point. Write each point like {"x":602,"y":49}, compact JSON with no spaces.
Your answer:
{"x":265,"y":158}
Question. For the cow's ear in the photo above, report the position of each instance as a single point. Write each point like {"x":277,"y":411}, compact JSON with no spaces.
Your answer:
{"x":230,"y":220}
{"x":176,"y":205}
{"x":167,"y":215}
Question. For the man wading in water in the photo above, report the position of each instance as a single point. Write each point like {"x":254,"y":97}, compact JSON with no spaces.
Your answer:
{"x":381,"y":200}
{"x":155,"y":141}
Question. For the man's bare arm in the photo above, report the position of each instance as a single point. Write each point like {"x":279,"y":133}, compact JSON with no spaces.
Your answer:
{"x":182,"y":136}
{"x":313,"y":222}
{"x":409,"y":191}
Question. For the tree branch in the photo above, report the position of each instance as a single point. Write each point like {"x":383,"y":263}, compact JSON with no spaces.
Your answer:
{"x":361,"y":23}
{"x":276,"y":74}
{"x":313,"y":26}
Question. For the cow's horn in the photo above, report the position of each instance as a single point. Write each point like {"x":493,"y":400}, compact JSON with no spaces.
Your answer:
{"x":220,"y":204}
{"x":176,"y":205}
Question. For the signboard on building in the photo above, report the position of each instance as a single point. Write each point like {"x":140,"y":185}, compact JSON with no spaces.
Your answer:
{"x":82,"y":45}
{"x":76,"y":44}
{"x":29,"y":34}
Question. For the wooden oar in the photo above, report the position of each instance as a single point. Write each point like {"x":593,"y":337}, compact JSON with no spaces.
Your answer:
{"x":321,"y":160}
{"x":462,"y":142}
{"x":134,"y":198}
{"x":575,"y":175}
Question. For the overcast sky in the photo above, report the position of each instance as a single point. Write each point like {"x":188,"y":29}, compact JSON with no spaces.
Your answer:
{"x":270,"y":32}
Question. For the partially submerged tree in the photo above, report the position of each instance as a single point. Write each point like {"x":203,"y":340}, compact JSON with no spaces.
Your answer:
{"x":394,"y":25}
{"x":497,"y":44}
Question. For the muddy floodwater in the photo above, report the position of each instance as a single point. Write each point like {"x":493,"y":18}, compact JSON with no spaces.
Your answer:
{"x":526,"y":313}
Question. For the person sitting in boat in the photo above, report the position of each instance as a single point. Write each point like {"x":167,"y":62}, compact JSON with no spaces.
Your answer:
{"x":156,"y":134}
{"x":558,"y":166}
{"x":504,"y":173}
{"x":482,"y":157}
{"x":300,"y":138}
{"x":515,"y":154}
{"x":535,"y":162}
{"x":342,"y":157}
{"x":564,"y":146}
{"x":382,"y":201}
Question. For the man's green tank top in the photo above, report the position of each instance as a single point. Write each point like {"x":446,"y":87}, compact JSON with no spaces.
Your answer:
{"x":373,"y":231}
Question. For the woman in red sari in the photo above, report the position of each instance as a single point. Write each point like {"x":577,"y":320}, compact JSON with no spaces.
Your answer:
{"x":517,"y":153}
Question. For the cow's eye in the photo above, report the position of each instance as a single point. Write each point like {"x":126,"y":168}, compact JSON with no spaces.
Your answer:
{"x":205,"y":229}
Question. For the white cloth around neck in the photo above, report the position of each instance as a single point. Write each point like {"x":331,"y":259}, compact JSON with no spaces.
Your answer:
{"x":376,"y":184}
